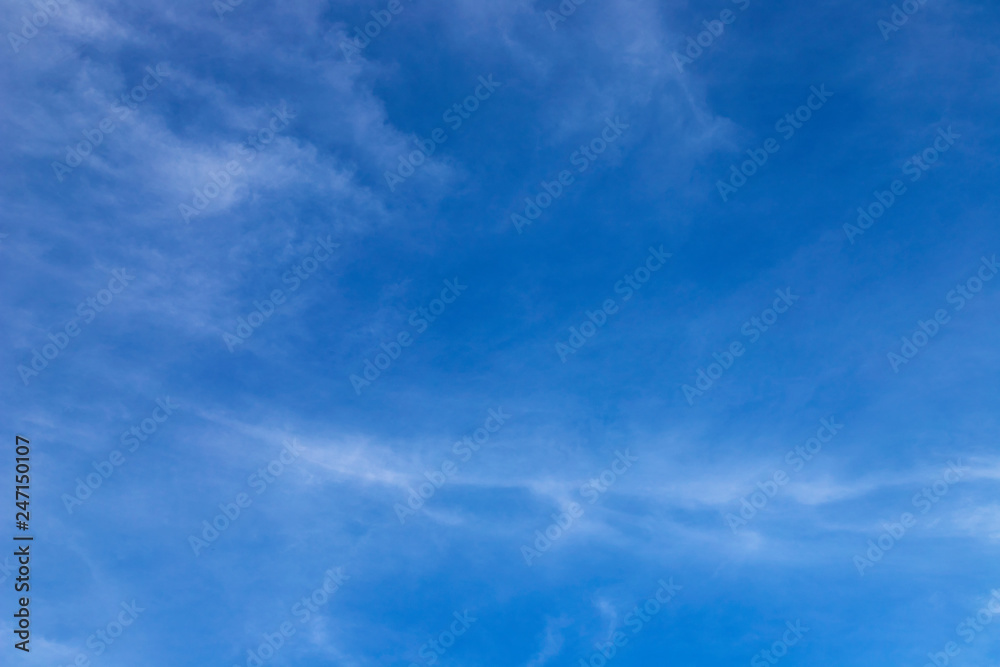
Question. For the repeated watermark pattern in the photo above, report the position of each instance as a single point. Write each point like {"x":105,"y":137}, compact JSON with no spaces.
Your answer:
{"x":293,"y":278}
{"x":223,"y":7}
{"x":435,"y":648}
{"x":122,"y":110}
{"x":582,"y":159}
{"x":797,"y":458}
{"x":926,"y":330}
{"x":132,"y":439}
{"x":87,"y":310}
{"x":420,"y":321}
{"x":787,"y":126}
{"x":455,"y":116}
{"x":561,"y":13}
{"x":892,"y":532}
{"x":779,"y":649}
{"x":636,"y":620}
{"x":302,"y":611}
{"x":361,"y":37}
{"x":753,"y":329}
{"x":230,"y":512}
{"x":33,"y":22}
{"x":630,"y":283}
{"x":220,"y":180}
{"x":103,"y":638}
{"x":915,"y":167}
{"x":967,"y":630}
{"x":699,"y":44}
{"x":899,"y":17}
{"x":437,"y":477}
{"x":573,"y":511}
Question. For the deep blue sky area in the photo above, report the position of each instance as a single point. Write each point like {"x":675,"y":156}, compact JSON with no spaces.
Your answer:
{"x":515,"y":333}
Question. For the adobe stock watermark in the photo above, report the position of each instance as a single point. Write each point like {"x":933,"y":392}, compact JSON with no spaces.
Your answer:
{"x":753,"y":328}
{"x":787,"y":126}
{"x":220,"y":180}
{"x":223,"y":7}
{"x":565,"y":9}
{"x":915,"y":167}
{"x":899,"y":17}
{"x":302,"y":610}
{"x":94,"y":137}
{"x":87,"y":310}
{"x":455,"y":116}
{"x":630,"y":283}
{"x":768,"y":489}
{"x":105,"y":637}
{"x":259,"y":481}
{"x":563,"y":521}
{"x":420,"y":321}
{"x":104,"y":469}
{"x":968,"y":630}
{"x":294,"y":278}
{"x":433,"y":650}
{"x":582,"y":159}
{"x":927,"y":329}
{"x":699,"y":44}
{"x":779,"y":649}
{"x":464,"y":449}
{"x":924,"y":500}
{"x":637,"y":619}
{"x":32,"y":23}
{"x":353,"y":46}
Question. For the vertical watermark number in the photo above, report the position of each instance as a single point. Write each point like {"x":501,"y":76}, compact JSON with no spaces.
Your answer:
{"x":22,"y":517}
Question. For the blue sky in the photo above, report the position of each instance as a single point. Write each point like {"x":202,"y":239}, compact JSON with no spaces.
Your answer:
{"x":556,"y":397}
